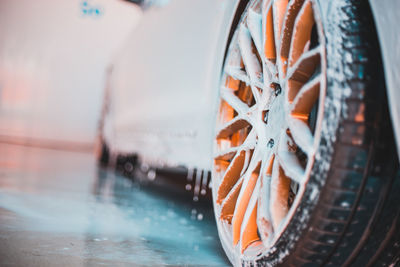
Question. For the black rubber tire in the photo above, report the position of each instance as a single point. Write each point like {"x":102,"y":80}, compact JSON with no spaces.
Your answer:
{"x":350,"y":213}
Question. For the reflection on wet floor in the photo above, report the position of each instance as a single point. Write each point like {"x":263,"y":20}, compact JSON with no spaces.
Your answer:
{"x":58,"y":208}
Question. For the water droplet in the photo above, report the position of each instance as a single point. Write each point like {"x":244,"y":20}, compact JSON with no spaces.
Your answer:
{"x":194,"y":211}
{"x":188,"y":187}
{"x":203,"y":191}
{"x":195,"y":198}
{"x":200,"y":216}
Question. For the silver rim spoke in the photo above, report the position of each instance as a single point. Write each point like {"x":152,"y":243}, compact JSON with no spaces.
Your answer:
{"x":278,"y":198}
{"x":291,"y":166}
{"x":254,"y":23}
{"x":302,"y":135}
{"x":264,"y":217}
{"x":234,"y":101}
{"x":237,"y":74}
{"x":252,"y":65}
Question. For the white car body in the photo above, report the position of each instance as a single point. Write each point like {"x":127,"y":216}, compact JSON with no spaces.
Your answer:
{"x":53,"y":57}
{"x":163,"y":88}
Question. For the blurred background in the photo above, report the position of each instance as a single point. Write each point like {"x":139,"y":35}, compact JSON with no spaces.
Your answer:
{"x":57,"y":207}
{"x":53,"y":60}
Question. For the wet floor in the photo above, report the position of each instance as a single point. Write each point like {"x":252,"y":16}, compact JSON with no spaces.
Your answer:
{"x":58,"y":208}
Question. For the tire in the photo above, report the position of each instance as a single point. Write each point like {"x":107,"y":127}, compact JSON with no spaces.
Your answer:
{"x":346,"y":210}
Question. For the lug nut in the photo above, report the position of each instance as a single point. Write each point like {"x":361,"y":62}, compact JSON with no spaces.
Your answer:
{"x":271,"y":143}
{"x":277,"y":87}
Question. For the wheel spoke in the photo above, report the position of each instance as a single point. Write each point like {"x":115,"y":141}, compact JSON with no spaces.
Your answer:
{"x":232,"y":83}
{"x":251,"y":62}
{"x":270,"y":72}
{"x":235,"y":102}
{"x":301,"y":32}
{"x":280,"y":186}
{"x":264,"y":216}
{"x":237,"y":73}
{"x":228,"y":152}
{"x":235,"y":58}
{"x":263,"y":213}
{"x":291,"y":166}
{"x":302,"y":135}
{"x":288,"y":160}
{"x":254,"y":23}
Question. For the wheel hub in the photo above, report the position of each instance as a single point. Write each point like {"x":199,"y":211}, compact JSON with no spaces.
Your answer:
{"x":276,"y":119}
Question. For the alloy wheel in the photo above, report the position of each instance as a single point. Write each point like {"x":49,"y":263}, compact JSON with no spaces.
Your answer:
{"x":269,"y":122}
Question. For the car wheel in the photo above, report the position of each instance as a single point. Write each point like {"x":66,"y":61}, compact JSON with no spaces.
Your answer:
{"x":305,"y":167}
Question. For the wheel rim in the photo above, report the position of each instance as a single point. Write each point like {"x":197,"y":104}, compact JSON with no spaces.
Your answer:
{"x":269,"y":122}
